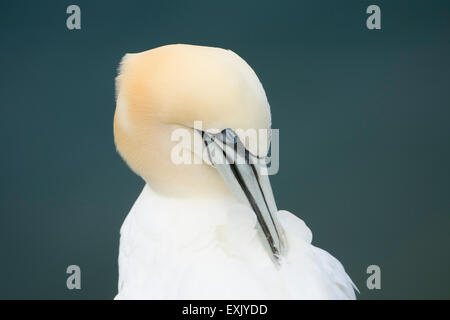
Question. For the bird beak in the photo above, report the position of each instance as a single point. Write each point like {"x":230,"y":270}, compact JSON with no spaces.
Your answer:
{"x":242,"y":171}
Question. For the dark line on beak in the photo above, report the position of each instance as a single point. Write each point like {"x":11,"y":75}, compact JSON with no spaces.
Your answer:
{"x":255,"y":208}
{"x":250,"y":197}
{"x":264,"y":197}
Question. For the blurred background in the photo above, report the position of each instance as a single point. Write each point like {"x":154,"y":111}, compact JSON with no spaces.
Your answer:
{"x":363,"y":118}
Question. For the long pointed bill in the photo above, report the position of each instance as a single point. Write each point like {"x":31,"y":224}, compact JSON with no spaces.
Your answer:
{"x":242,"y":171}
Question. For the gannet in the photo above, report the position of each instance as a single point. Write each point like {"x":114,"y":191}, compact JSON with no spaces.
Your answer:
{"x":207,"y":230}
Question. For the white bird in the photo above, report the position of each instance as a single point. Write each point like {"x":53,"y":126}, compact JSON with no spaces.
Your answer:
{"x":208,"y":230}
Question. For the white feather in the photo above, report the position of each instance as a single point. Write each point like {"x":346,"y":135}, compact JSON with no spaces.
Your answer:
{"x":187,"y":249}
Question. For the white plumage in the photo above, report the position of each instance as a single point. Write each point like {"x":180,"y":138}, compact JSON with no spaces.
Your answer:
{"x":189,"y":249}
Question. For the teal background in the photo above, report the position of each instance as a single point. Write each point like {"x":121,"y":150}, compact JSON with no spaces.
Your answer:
{"x":363,"y":118}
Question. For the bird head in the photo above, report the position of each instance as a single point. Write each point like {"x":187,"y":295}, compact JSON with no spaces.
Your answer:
{"x":170,"y":88}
